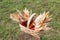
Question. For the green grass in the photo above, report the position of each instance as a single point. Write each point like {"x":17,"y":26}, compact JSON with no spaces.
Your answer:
{"x":9,"y":30}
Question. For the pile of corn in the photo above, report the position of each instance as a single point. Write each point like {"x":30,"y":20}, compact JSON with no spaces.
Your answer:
{"x":32,"y":20}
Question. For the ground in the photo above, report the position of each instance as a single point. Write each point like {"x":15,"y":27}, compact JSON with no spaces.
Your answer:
{"x":9,"y":30}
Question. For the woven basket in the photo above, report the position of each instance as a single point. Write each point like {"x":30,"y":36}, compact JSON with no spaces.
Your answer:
{"x":29,"y":31}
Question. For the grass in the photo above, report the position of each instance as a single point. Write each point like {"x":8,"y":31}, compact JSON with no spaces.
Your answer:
{"x":10,"y":30}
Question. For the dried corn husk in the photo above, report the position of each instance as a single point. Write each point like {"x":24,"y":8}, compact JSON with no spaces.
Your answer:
{"x":15,"y":17}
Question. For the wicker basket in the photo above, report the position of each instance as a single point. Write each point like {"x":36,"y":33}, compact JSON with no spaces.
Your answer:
{"x":29,"y":31}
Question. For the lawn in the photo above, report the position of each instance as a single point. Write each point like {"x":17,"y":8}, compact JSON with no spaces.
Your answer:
{"x":9,"y":30}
